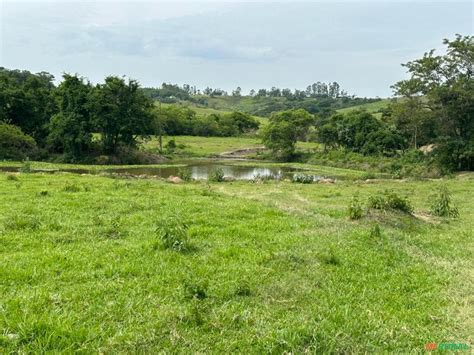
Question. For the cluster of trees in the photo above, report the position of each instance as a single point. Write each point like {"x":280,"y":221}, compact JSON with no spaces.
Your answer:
{"x":361,"y":132}
{"x":438,"y":104}
{"x":357,"y":131}
{"x":436,"y":107}
{"x":64,"y":119}
{"x":176,"y":120}
{"x":78,"y":119}
{"x":316,"y":90}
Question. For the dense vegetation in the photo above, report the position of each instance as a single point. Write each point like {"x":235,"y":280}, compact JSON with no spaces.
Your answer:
{"x":79,"y":121}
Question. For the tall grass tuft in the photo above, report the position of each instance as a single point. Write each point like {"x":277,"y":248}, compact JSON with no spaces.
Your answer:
{"x":355,"y":209}
{"x":216,"y":175}
{"x":442,"y":205}
{"x":174,"y":234}
{"x":185,"y":174}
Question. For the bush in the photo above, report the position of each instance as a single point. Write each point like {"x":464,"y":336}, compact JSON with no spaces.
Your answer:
{"x":303,"y":178}
{"x":216,"y":175}
{"x":442,"y":206}
{"x":14,"y":144}
{"x":390,"y":200}
{"x":355,"y":209}
{"x":174,"y":235}
{"x":170,"y":146}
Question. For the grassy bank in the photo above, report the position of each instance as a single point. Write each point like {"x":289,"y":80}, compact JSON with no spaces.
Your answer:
{"x":270,"y":267}
{"x":195,"y":146}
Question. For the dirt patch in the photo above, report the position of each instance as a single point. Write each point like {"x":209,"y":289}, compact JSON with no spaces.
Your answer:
{"x":240,"y":153}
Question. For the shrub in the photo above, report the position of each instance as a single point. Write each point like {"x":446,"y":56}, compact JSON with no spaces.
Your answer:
{"x":185,"y":174}
{"x":390,"y":200}
{"x":442,"y":205}
{"x":397,"y":202}
{"x":216,"y":175}
{"x":377,"y":202}
{"x":355,"y":209}
{"x":170,"y":146}
{"x":174,"y":235}
{"x":303,"y":178}
{"x":14,"y":144}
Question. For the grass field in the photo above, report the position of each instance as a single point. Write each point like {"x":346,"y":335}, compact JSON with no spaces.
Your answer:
{"x":372,"y":107}
{"x":210,"y":146}
{"x":273,"y":267}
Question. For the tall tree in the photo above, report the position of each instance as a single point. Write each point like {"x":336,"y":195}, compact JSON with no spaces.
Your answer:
{"x":122,"y":113}
{"x":71,"y":128}
{"x":26,"y":100}
{"x":447,"y":83}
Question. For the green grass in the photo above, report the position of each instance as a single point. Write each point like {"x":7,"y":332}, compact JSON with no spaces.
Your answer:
{"x":210,"y":146}
{"x":372,"y":107}
{"x":273,"y":267}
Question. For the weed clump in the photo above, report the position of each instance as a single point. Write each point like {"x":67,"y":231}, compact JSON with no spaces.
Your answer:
{"x":12,"y":177}
{"x":330,"y":258}
{"x":114,"y":229}
{"x":185,"y":174}
{"x":355,"y":209}
{"x":243,"y":290}
{"x":216,"y":175}
{"x":23,"y":222}
{"x":442,"y":205}
{"x":196,"y":290}
{"x":26,"y":166}
{"x":70,"y":187}
{"x":303,"y":178}
{"x":376,"y":232}
{"x":390,"y":200}
{"x":173,"y":235}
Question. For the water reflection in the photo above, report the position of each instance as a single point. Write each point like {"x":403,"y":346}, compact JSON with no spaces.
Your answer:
{"x":199,"y":171}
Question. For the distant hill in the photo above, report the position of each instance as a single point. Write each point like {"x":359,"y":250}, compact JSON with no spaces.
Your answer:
{"x":372,"y":107}
{"x":264,"y":106}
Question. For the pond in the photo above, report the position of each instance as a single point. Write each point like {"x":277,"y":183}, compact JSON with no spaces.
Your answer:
{"x":198,"y":170}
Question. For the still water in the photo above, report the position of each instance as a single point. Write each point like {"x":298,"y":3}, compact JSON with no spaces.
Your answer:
{"x":199,"y":170}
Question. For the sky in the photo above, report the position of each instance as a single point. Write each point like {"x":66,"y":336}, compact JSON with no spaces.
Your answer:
{"x":225,"y":44}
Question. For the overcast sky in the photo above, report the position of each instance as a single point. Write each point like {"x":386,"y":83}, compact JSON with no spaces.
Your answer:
{"x":229,"y":43}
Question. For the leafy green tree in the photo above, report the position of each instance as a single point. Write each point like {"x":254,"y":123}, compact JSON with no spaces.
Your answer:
{"x":446,"y":82}
{"x":26,"y":100}
{"x":242,"y":121}
{"x":14,"y":144}
{"x":412,"y":120}
{"x":71,"y":129}
{"x":122,"y":113}
{"x":280,"y":136}
{"x":301,"y":119}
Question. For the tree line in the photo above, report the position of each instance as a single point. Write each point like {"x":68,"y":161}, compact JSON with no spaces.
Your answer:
{"x":169,"y":91}
{"x":435,"y":106}
{"x":77,"y":119}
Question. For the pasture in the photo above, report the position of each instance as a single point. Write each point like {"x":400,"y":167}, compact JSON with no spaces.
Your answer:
{"x":268,"y":266}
